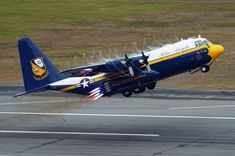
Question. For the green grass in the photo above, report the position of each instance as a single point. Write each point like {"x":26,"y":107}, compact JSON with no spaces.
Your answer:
{"x":19,"y":17}
{"x":66,"y":29}
{"x":22,"y":17}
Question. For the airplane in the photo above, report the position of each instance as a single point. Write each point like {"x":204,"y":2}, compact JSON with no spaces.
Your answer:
{"x":125,"y":75}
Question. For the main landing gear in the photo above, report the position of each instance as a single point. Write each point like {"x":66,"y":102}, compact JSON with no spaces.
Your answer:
{"x":127,"y":93}
{"x":139,"y":89}
{"x":151,"y":86}
{"x":205,"y":68}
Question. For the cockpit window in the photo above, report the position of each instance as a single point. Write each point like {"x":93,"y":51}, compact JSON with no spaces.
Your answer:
{"x":205,"y":41}
{"x":200,"y":43}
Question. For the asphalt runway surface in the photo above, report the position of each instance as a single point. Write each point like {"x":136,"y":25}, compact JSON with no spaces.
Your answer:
{"x":161,"y":122}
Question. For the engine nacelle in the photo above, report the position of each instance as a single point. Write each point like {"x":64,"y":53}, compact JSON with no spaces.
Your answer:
{"x":126,"y":82}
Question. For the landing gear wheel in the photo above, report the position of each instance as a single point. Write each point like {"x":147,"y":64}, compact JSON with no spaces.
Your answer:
{"x":205,"y":68}
{"x":151,"y":86}
{"x":127,"y":93}
{"x":139,"y":90}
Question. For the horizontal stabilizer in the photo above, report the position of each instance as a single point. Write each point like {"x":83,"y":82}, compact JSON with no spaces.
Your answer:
{"x":34,"y":90}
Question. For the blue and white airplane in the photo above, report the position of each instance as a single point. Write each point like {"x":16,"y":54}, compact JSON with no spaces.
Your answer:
{"x":125,"y":75}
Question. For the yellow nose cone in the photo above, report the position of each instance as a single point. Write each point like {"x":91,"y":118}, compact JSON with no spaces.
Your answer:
{"x":215,"y":51}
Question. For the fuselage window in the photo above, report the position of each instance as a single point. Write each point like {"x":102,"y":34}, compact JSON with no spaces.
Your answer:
{"x":206,"y":41}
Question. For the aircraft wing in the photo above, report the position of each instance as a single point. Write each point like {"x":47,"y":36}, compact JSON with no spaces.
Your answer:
{"x":118,"y":65}
{"x":85,"y":70}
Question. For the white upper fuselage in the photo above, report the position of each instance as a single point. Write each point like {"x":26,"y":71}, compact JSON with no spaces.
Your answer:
{"x":175,"y":48}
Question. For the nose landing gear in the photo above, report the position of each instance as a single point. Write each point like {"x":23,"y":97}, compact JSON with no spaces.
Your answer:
{"x":205,"y":68}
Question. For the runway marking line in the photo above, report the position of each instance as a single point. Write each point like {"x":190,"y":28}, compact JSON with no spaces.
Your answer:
{"x":35,"y":102}
{"x":120,"y":115}
{"x":80,"y":133}
{"x":202,"y":107}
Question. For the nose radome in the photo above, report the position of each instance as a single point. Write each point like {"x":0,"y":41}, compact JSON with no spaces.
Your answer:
{"x":220,"y":49}
{"x":215,"y":51}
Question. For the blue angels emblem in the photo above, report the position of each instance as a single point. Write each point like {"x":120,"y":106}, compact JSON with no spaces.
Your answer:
{"x":39,"y":68}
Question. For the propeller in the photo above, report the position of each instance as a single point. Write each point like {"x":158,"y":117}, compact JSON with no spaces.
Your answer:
{"x":128,"y":63}
{"x":144,"y":60}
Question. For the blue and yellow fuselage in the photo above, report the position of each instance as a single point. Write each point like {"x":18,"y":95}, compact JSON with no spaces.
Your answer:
{"x":164,"y":67}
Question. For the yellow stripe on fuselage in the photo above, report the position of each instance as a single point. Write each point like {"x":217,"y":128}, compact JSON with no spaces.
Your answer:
{"x":68,"y":88}
{"x":104,"y":77}
{"x":158,"y":60}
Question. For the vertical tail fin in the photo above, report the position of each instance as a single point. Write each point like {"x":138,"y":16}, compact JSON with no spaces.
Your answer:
{"x":37,"y":69}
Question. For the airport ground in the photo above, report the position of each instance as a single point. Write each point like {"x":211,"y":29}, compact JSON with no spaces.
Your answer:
{"x":162,"y":122}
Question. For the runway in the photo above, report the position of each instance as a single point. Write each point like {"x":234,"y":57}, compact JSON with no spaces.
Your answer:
{"x":164,"y":122}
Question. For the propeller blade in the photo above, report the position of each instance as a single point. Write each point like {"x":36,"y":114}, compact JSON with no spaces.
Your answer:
{"x":127,"y":60}
{"x":142,"y":53}
{"x":128,"y":64}
{"x":126,"y":57}
{"x":145,"y":61}
{"x":131,"y":72}
{"x":148,"y":68}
